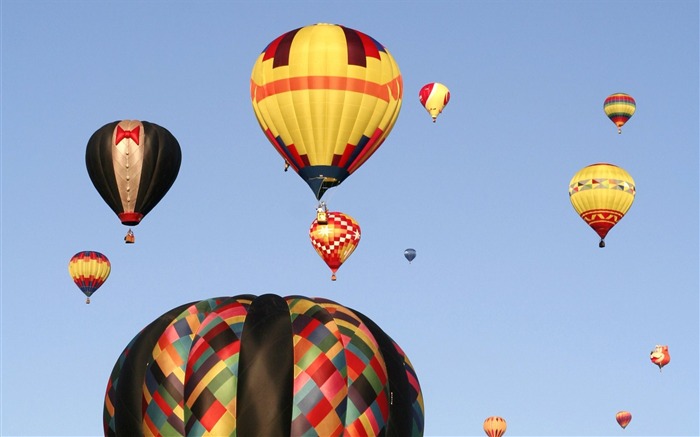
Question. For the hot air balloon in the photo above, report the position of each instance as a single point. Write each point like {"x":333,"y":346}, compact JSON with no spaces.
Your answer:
{"x":336,"y":239}
{"x":623,"y":418}
{"x":619,"y":107}
{"x":434,"y":97}
{"x":660,"y":356}
{"x":326,"y":96}
{"x":132,"y":165}
{"x":602,"y":194}
{"x":410,"y":254}
{"x":495,"y":426}
{"x":89,"y":271}
{"x":263,"y":366}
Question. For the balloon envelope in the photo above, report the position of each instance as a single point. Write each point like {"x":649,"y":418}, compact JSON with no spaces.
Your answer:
{"x":660,"y":356}
{"x":495,"y":426}
{"x":89,"y":270}
{"x":623,"y":418}
{"x":602,"y":194}
{"x":132,"y":164}
{"x":264,"y":366}
{"x":434,"y":97}
{"x":619,"y":107}
{"x":326,"y":97}
{"x":410,"y":254}
{"x":335,"y":240}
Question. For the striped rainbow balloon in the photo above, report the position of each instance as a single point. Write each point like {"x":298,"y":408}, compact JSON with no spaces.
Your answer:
{"x":89,"y":270}
{"x":619,"y":107}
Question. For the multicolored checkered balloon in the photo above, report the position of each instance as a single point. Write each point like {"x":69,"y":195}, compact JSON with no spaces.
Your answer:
{"x":266,"y":365}
{"x":336,"y":239}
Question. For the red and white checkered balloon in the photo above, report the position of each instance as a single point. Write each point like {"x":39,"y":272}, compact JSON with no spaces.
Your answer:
{"x":335,"y":240}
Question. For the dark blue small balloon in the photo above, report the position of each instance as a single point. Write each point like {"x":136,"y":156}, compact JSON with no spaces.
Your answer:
{"x":410,"y":254}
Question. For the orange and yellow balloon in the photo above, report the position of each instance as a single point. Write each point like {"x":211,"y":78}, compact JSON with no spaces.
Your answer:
{"x":619,"y":108}
{"x":495,"y":426}
{"x":660,"y":356}
{"x":602,"y":194}
{"x":623,"y":418}
{"x":89,"y":270}
{"x":434,"y":97}
{"x":336,"y":239}
{"x":326,"y":96}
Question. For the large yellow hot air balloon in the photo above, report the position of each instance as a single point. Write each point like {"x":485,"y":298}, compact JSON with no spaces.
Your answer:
{"x":326,"y":97}
{"x":495,"y":426}
{"x":602,"y":194}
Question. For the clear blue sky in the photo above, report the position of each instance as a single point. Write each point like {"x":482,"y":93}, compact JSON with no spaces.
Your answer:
{"x":510,"y":307}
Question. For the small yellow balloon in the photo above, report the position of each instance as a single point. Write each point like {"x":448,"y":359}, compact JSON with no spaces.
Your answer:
{"x":434,"y":97}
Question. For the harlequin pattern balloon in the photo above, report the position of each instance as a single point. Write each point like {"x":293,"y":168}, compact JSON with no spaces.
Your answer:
{"x":335,"y":240}
{"x":264,"y":366}
{"x":132,"y":164}
{"x":89,"y":270}
{"x":409,"y":254}
{"x":495,"y":426}
{"x":623,"y":418}
{"x":326,"y":97}
{"x":602,"y":194}
{"x":434,"y":97}
{"x":660,"y":356}
{"x":619,"y":107}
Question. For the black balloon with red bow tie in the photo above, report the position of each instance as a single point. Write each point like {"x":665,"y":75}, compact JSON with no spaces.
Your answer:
{"x":132,"y":164}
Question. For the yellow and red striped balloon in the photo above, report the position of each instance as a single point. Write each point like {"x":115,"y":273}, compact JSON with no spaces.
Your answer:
{"x":89,"y":270}
{"x":326,"y":97}
{"x":335,"y":240}
{"x":602,"y":194}
{"x":619,"y":108}
{"x":434,"y":97}
{"x":495,"y":426}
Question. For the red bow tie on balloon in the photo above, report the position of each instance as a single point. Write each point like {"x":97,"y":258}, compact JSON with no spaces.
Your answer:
{"x":131,"y":134}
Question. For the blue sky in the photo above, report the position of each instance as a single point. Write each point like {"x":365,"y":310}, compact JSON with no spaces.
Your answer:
{"x":510,"y":308}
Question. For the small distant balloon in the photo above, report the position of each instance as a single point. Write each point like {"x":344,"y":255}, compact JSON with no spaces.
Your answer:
{"x":619,"y":108}
{"x":89,"y":270}
{"x":660,"y":356}
{"x":495,"y":426}
{"x":623,"y":418}
{"x":434,"y":97}
{"x":410,"y":254}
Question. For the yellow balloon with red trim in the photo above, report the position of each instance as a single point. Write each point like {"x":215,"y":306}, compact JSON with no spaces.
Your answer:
{"x":335,"y":239}
{"x":326,"y":97}
{"x":495,"y":426}
{"x":89,"y":270}
{"x":434,"y":97}
{"x":602,"y":194}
